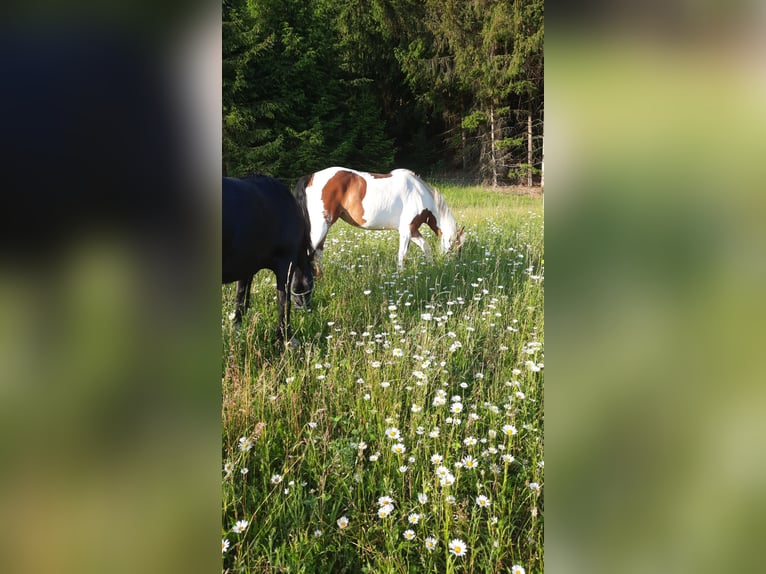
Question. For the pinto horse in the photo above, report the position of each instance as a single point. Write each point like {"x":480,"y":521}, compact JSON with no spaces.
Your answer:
{"x":398,"y":200}
{"x":264,"y":227}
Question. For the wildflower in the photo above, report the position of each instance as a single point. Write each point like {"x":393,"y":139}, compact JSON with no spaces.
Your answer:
{"x":416,"y":408}
{"x":447,"y":480}
{"x":436,"y":459}
{"x":228,"y":468}
{"x":397,"y":352}
{"x":398,"y":448}
{"x":534,"y":486}
{"x":509,"y":430}
{"x":385,"y":510}
{"x":393,"y":433}
{"x":450,"y":499}
{"x":239,"y":527}
{"x":375,"y":364}
{"x":225,"y":545}
{"x":366,"y":396}
{"x":434,"y":433}
{"x":276,"y":478}
{"x":469,"y":441}
{"x":470,"y":462}
{"x":456,"y":408}
{"x":383,"y":500}
{"x":541,"y":464}
{"x":414,"y":518}
{"x":516,"y":569}
{"x":431,"y":543}
{"x":317,"y":533}
{"x":366,"y":291}
{"x":534,"y":367}
{"x":458,"y":547}
{"x":384,"y":384}
{"x":245,"y":443}
{"x":409,"y":534}
{"x":342,"y":522}
{"x":482,"y":501}
{"x":508,"y":458}
{"x":362,"y":445}
{"x":312,"y":425}
{"x":403,"y":468}
{"x":426,"y":316}
{"x":244,"y":471}
{"x":374,"y":457}
{"x":442,"y":471}
{"x":422,"y":498}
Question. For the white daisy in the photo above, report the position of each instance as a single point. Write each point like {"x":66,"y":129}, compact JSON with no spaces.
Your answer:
{"x":458,"y":547}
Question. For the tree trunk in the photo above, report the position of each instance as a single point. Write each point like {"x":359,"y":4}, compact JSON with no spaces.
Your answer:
{"x":492,"y":159}
{"x":542,"y":167}
{"x":463,"y":144}
{"x":529,"y":149}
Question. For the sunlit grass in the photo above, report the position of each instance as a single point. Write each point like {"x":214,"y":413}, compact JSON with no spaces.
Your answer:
{"x":425,"y":386}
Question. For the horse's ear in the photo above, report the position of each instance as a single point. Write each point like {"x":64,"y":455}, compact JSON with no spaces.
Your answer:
{"x":460,"y":237}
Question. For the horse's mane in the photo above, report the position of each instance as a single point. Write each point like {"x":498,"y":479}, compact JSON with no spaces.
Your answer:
{"x":441,"y":203}
{"x":299,"y":193}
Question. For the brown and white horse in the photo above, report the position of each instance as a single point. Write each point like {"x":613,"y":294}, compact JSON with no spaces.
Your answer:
{"x":398,"y":200}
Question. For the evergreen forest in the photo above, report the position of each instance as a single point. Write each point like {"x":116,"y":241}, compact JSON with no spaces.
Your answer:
{"x":448,"y":88}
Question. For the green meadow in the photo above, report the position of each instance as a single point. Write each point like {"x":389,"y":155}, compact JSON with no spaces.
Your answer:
{"x":403,"y":430}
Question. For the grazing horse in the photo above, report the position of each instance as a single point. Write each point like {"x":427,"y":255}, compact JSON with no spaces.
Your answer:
{"x":264,"y":227}
{"x":398,"y":200}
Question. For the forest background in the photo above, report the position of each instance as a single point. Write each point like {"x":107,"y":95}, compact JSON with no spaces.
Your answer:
{"x":448,"y":88}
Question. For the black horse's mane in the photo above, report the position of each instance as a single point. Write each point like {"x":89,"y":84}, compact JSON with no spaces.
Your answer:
{"x":299,"y":193}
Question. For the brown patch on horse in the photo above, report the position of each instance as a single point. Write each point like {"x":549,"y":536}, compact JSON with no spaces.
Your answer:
{"x":342,"y":197}
{"x":380,"y":175}
{"x":426,"y":217}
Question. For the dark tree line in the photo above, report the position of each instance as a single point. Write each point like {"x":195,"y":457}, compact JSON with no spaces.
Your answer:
{"x":448,"y":86}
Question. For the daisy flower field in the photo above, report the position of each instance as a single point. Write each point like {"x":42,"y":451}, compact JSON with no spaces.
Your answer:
{"x":403,"y":431}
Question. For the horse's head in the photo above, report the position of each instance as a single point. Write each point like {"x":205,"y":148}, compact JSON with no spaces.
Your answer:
{"x":303,"y":284}
{"x":454,"y":243}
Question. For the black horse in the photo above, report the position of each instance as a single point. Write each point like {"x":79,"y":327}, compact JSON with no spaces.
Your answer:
{"x":264,"y":227}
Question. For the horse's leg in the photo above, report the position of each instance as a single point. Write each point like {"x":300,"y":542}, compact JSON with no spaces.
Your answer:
{"x":420,"y":241}
{"x":404,"y":241}
{"x":318,"y":237}
{"x":284,"y":277}
{"x":243,"y":299}
{"x":318,"y":259}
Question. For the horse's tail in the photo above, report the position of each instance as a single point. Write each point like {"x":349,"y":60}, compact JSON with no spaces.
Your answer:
{"x":299,"y":193}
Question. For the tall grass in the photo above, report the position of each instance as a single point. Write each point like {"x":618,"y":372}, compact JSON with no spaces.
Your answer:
{"x":443,"y":358}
